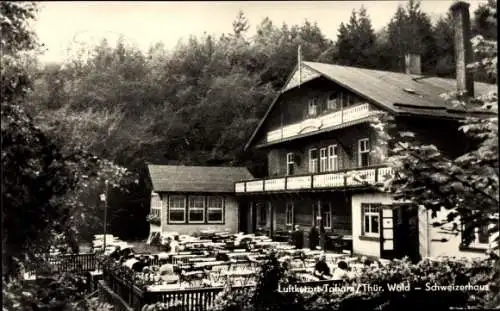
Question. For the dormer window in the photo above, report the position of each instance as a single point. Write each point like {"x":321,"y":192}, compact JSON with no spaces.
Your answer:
{"x":313,"y":160}
{"x":312,"y":108}
{"x":333,"y":102}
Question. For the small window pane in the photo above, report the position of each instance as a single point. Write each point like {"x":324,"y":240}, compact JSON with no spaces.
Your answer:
{"x":176,"y":215}
{"x":214,"y":216}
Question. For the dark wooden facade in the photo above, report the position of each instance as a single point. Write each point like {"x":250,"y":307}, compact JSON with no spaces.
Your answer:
{"x":332,"y":209}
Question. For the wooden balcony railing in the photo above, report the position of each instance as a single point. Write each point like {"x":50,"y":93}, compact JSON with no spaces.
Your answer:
{"x":328,"y":180}
{"x":322,"y":122}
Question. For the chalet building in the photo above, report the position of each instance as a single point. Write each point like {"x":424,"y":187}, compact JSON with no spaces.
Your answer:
{"x":189,"y":199}
{"x":321,"y":164}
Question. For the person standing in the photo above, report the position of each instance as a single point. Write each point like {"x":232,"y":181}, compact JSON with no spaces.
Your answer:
{"x":174,"y":245}
{"x":313,"y":238}
{"x":298,"y":237}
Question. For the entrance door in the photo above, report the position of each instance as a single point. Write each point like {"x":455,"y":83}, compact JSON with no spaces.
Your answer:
{"x":387,"y":232}
{"x":407,"y":233}
{"x":253,"y":217}
{"x":243,"y":217}
{"x":399,"y":232}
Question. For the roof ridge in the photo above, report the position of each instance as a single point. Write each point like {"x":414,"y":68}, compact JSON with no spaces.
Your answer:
{"x":197,"y":166}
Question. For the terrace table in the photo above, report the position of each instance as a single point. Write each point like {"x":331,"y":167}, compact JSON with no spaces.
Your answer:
{"x":164,"y":287}
{"x":201,"y":259}
{"x":183,"y":258}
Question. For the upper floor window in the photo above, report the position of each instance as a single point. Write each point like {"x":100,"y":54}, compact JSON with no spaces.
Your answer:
{"x":333,"y":158}
{"x":313,"y":160}
{"x":348,"y":99}
{"x":290,"y":163}
{"x":333,"y":101}
{"x":363,"y":152}
{"x":323,"y":163}
{"x":312,"y":107}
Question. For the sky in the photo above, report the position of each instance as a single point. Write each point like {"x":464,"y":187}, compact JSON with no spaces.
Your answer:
{"x":61,"y":25}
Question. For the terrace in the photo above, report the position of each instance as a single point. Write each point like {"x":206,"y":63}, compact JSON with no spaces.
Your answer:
{"x":205,"y":268}
{"x":338,"y":119}
{"x":329,"y":180}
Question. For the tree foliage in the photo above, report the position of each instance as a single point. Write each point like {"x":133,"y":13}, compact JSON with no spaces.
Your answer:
{"x":356,"y":42}
{"x":410,"y":31}
{"x":198,"y":103}
{"x":40,"y":175}
{"x":467,"y":185}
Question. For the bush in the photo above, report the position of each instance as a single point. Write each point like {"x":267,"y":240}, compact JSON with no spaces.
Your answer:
{"x":162,"y":306}
{"x":153,"y":219}
{"x":479,"y":274}
{"x":418,"y":278}
{"x":265,"y":295}
{"x":63,"y":292}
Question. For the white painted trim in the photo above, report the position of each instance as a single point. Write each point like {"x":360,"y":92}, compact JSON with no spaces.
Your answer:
{"x":176,"y":208}
{"x":367,"y":151}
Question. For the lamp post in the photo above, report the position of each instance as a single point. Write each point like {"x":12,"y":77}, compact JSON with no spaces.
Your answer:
{"x":104,"y":199}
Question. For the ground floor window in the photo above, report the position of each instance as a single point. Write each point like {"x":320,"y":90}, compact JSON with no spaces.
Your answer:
{"x":155,"y":204}
{"x":177,"y":209}
{"x":326,"y":217}
{"x":195,"y":209}
{"x":371,"y":219}
{"x":289,"y":213}
{"x":480,"y":233}
{"x":215,"y":209}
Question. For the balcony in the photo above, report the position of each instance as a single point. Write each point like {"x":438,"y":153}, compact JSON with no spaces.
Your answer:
{"x":343,"y":117}
{"x":328,"y":180}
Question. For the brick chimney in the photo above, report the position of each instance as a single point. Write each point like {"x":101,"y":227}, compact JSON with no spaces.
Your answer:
{"x":412,"y":64}
{"x":463,"y":47}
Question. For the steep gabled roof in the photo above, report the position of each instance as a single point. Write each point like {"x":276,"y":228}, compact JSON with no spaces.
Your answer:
{"x":177,"y":178}
{"x":398,"y":93}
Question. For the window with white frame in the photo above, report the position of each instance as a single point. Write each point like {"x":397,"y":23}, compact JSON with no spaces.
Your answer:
{"x":363,"y":152}
{"x":177,"y":209}
{"x":155,"y":204}
{"x":196,"y":209}
{"x":371,"y":219}
{"x":215,"y":209}
{"x":289,"y":213}
{"x":290,"y":163}
{"x":323,"y":160}
{"x":333,"y":158}
{"x":333,"y":101}
{"x":326,"y":215}
{"x":312,"y":108}
{"x":313,"y":160}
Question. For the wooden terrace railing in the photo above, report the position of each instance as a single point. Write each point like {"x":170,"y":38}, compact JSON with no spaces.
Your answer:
{"x":326,"y":180}
{"x":192,"y":299}
{"x":329,"y":120}
{"x":67,"y":263}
